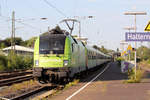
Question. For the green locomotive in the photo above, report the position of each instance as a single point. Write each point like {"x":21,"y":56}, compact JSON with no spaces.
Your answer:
{"x":58,"y":55}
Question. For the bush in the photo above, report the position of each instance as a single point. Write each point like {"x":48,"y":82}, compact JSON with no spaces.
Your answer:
{"x":28,"y":62}
{"x":148,"y":61}
{"x":131,"y":76}
{"x":119,"y":59}
{"x":3,"y":63}
{"x":15,"y":62}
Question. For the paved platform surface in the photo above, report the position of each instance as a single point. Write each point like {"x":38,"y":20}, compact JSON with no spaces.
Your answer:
{"x":107,"y":86}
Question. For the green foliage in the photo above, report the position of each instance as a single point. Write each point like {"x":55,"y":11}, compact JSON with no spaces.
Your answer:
{"x":131,"y":76}
{"x":2,"y":45}
{"x":119,"y":59}
{"x":15,"y":62}
{"x":18,"y":41}
{"x":30,"y":42}
{"x":143,"y":52}
{"x":28,"y":62}
{"x":131,"y":55}
{"x":102,"y":49}
{"x":3,"y":62}
{"x":117,"y":49}
{"x":74,"y":82}
{"x":7,"y":42}
{"x":148,"y":61}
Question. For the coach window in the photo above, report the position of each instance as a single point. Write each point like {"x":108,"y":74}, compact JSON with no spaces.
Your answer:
{"x":72,"y":47}
{"x":90,"y":55}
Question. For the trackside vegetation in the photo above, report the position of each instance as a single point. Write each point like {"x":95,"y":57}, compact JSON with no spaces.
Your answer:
{"x":143,"y":60}
{"x":119,"y":59}
{"x":18,"y":41}
{"x":131,"y":76}
{"x":16,"y":62}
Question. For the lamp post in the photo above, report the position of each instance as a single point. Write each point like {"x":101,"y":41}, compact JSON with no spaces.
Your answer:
{"x":129,"y":29}
{"x":123,"y":44}
{"x":135,"y":28}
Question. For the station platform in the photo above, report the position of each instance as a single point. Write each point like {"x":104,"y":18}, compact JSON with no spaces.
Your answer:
{"x":106,"y":86}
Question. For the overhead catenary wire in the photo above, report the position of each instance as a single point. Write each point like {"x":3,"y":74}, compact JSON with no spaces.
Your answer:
{"x":59,"y":11}
{"x":27,"y":25}
{"x":0,"y":10}
{"x":18,"y":21}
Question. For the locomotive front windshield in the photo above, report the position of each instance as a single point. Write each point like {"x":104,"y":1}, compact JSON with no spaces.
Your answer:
{"x":52,"y":44}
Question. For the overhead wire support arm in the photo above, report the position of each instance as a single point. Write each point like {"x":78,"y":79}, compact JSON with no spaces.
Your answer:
{"x":73,"y":21}
{"x":71,"y":28}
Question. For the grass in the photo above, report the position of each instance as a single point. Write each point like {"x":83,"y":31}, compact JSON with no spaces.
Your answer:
{"x":26,"y":84}
{"x":72,"y":83}
{"x":131,"y":76}
{"x":15,"y":88}
{"x":145,"y":63}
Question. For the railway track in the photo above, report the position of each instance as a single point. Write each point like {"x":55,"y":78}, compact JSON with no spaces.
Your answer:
{"x":15,"y":77}
{"x":13,"y":80}
{"x":4,"y":75}
{"x":32,"y":93}
{"x":28,"y":94}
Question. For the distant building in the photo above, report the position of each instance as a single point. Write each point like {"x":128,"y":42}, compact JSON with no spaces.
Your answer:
{"x":19,"y":50}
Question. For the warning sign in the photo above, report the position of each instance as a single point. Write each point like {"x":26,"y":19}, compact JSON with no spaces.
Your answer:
{"x":124,"y":53}
{"x":129,"y":48}
{"x":147,"y":28}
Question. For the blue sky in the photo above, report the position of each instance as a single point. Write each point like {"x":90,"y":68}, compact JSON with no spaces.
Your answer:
{"x":106,"y":28}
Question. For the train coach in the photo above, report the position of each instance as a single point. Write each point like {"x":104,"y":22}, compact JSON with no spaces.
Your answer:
{"x":59,"y":56}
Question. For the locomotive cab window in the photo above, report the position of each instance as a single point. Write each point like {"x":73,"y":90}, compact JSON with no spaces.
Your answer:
{"x":52,"y":44}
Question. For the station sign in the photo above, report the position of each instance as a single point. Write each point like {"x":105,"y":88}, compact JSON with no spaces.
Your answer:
{"x":137,"y":36}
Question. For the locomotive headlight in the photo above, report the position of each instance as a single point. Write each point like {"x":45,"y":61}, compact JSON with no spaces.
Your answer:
{"x":36,"y":62}
{"x":65,"y":62}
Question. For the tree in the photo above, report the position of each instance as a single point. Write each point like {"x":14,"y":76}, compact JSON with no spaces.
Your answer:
{"x":2,"y":45}
{"x":117,"y":49}
{"x":143,"y":52}
{"x":104,"y":50}
{"x":7,"y":42}
{"x":30,"y":42}
{"x":18,"y":41}
{"x":96,"y":47}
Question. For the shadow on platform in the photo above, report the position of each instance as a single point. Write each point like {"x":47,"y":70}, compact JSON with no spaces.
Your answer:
{"x":112,"y":73}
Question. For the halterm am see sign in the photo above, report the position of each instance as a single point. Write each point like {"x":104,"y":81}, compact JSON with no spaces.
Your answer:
{"x":138,"y":36}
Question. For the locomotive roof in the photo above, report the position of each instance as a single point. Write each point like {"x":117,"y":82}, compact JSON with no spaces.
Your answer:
{"x":55,"y":31}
